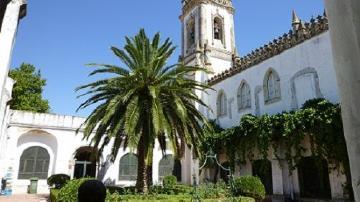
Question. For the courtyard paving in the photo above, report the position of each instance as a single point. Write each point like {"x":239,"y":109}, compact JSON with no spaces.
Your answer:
{"x":25,"y":198}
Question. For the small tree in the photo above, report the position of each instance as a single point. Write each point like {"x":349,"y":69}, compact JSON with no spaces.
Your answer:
{"x":28,"y":88}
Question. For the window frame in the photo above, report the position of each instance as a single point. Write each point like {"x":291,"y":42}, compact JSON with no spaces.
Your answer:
{"x":244,"y":96}
{"x":167,"y":166}
{"x":221,"y":104}
{"x":38,"y":159}
{"x":272,"y":88}
{"x":129,"y":166}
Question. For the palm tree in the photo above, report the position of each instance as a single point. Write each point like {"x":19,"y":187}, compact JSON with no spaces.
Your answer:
{"x":144,"y":101}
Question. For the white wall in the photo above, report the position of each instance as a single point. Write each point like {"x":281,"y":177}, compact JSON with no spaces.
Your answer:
{"x":314,"y":54}
{"x":57,"y":134}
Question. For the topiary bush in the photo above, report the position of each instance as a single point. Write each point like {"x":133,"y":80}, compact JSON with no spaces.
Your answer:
{"x":69,"y":192}
{"x":58,"y":181}
{"x":249,"y":186}
{"x":169,"y":181}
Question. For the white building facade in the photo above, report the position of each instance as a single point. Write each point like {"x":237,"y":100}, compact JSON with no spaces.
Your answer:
{"x":277,"y":77}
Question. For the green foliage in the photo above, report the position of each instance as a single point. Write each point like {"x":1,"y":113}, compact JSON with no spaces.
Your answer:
{"x":58,"y":180}
{"x":171,"y":190}
{"x":213,"y":191}
{"x":249,"y":186}
{"x":171,"y":198}
{"x":180,"y":193}
{"x":144,"y":101}
{"x":28,"y":88}
{"x":54,"y":193}
{"x":169,"y":181}
{"x":69,"y":192}
{"x":319,"y":119}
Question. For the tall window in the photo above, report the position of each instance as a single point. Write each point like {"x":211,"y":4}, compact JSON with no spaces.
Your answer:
{"x":128,"y":167}
{"x":166,"y":166}
{"x":272,"y":86}
{"x":218,"y":29}
{"x":191,"y":33}
{"x":244,"y":96}
{"x":221,"y":104}
{"x":34,"y":162}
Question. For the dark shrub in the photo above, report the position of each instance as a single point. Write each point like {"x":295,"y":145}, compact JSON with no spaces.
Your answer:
{"x":58,"y":180}
{"x":249,"y":186}
{"x":92,"y":191}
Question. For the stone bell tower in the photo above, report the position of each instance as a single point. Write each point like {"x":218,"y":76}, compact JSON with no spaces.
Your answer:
{"x":208,"y":40}
{"x":208,"y":37}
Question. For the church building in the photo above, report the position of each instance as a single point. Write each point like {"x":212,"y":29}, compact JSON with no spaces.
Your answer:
{"x":279,"y":76}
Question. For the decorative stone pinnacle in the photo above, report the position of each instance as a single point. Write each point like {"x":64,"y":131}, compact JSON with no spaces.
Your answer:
{"x":295,"y":18}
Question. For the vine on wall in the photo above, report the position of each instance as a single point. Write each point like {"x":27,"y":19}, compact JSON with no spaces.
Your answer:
{"x":318,"y":119}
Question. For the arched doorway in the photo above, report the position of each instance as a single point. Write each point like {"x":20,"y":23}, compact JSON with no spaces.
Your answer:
{"x":263,"y":170}
{"x":314,"y":178}
{"x":85,"y":162}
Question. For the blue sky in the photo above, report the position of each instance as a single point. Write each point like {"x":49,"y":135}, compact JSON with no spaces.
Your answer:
{"x":60,"y":36}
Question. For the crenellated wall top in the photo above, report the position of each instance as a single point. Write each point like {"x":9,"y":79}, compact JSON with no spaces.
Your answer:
{"x":302,"y":33}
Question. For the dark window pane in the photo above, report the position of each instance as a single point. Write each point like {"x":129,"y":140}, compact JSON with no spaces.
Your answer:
{"x":34,"y":162}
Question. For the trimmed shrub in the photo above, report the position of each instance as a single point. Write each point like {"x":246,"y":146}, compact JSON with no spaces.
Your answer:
{"x":169,"y":181}
{"x":249,"y":186}
{"x":69,"y":192}
{"x":58,"y":181}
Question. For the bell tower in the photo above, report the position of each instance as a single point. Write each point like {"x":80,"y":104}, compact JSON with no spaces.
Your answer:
{"x":208,"y":37}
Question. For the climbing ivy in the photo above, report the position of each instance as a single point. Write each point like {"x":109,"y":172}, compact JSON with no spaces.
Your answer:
{"x":284,"y":133}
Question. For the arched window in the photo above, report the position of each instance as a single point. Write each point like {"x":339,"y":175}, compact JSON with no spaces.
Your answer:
{"x":244,"y":96}
{"x":272,"y":87}
{"x":128,"y":167}
{"x":190,"y":32}
{"x":34,"y":162}
{"x":218,"y":28}
{"x":221,"y":104}
{"x":166,"y":166}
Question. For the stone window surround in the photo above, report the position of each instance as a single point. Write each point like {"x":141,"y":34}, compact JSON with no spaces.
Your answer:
{"x":308,"y":70}
{"x":190,"y":24}
{"x":221,"y":107}
{"x":162,"y":165}
{"x":239,"y":97}
{"x":222,"y":20}
{"x":276,"y":98}
{"x":127,"y":176}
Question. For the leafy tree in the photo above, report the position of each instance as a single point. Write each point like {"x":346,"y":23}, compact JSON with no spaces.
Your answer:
{"x":28,"y":88}
{"x":144,"y":102}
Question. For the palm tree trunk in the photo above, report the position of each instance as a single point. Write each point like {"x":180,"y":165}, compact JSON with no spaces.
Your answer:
{"x":141,"y":181}
{"x":149,"y":167}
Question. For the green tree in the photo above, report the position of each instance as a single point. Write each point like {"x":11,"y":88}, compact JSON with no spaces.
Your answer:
{"x":143,"y":102}
{"x":28,"y":88}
